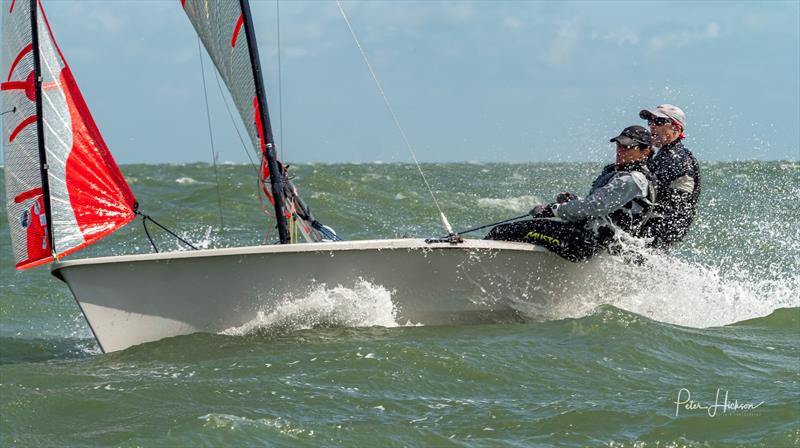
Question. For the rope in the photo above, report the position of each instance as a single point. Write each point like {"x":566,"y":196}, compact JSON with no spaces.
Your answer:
{"x":146,"y":217}
{"x":526,"y":215}
{"x":325,"y":231}
{"x":147,"y":232}
{"x":446,"y":223}
{"x":211,"y":136}
{"x":453,"y":237}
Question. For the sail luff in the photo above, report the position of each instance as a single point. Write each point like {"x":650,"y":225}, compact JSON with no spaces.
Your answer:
{"x":25,"y":200}
{"x":268,"y":145}
{"x":37,"y":70}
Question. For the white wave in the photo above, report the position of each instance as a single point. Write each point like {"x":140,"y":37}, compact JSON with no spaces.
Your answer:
{"x":234,"y":422}
{"x":186,"y":181}
{"x":364,"y":305}
{"x":516,"y":204}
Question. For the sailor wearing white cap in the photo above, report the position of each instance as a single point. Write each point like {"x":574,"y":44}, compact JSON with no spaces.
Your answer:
{"x":678,"y":177}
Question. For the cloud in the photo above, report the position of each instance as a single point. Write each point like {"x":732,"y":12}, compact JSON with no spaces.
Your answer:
{"x":512,"y":23}
{"x":460,"y":13}
{"x":109,"y":22}
{"x":685,"y":38}
{"x":564,"y":43}
{"x":619,"y":37}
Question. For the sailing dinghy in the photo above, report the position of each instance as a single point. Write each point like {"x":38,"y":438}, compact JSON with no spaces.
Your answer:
{"x":65,"y":192}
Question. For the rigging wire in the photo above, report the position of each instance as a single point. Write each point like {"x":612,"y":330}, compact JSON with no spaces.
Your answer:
{"x":233,"y":122}
{"x":211,"y":136}
{"x":446,"y":223}
{"x":244,"y":147}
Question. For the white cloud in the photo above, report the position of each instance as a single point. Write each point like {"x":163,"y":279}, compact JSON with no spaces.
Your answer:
{"x":104,"y":19}
{"x":684,"y":38}
{"x":756,"y":21}
{"x":296,"y":52}
{"x":712,"y":29}
{"x":619,"y":37}
{"x":460,"y":13}
{"x":564,"y":44}
{"x":512,"y":23}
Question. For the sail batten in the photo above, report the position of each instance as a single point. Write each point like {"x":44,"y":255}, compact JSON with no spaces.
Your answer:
{"x":64,"y":189}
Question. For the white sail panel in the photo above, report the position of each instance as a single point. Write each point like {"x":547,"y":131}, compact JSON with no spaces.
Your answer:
{"x":220,"y":26}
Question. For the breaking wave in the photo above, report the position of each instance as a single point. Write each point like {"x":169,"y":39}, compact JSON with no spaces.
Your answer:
{"x":185,"y":181}
{"x":364,"y":305}
{"x":515,"y":204}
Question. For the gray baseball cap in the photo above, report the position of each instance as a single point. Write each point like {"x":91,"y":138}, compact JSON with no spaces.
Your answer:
{"x":665,"y":111}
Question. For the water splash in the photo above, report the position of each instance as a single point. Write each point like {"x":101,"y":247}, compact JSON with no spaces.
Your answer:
{"x":364,"y":305}
{"x":672,"y":290}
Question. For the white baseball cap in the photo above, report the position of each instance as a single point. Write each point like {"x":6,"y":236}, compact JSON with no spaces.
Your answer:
{"x":665,"y":111}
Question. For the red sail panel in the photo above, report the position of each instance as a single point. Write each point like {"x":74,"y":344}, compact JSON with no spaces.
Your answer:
{"x":89,"y":197}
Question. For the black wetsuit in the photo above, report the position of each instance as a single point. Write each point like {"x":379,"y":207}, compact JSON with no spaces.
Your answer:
{"x":588,"y":225}
{"x":678,"y":191}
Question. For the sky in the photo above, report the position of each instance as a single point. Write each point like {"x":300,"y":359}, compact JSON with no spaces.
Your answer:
{"x":469,"y":81}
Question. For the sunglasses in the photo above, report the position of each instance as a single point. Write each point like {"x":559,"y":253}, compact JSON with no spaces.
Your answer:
{"x":659,"y":121}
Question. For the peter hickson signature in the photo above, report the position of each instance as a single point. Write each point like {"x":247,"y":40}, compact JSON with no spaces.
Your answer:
{"x":685,"y":401}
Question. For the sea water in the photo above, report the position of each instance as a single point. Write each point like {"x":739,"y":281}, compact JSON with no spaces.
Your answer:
{"x":700,"y":349}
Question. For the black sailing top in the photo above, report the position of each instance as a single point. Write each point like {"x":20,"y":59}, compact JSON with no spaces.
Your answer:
{"x":677,"y":185}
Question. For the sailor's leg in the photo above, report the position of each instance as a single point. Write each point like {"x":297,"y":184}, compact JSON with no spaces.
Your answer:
{"x":515,"y":231}
{"x":571,"y":240}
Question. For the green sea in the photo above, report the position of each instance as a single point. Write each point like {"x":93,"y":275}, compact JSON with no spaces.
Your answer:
{"x":701,"y":351}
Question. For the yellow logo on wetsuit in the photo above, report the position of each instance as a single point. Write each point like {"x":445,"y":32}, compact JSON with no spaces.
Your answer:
{"x":545,"y":238}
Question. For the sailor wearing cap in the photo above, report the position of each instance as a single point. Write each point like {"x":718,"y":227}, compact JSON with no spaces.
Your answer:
{"x":677,"y":176}
{"x":620,"y":200}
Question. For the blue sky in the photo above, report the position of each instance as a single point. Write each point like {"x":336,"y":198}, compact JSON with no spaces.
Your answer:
{"x":483,"y":81}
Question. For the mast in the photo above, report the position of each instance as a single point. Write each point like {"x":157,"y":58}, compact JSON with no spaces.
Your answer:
{"x":275,"y":176}
{"x":37,"y":70}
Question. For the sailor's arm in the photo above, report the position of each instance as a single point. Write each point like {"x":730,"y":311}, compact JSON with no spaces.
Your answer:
{"x":604,"y":200}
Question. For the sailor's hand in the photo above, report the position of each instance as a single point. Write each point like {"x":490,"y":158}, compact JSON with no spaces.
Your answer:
{"x":564,"y":196}
{"x":542,"y":211}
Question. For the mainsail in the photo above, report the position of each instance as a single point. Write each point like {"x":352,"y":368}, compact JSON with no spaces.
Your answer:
{"x":225,"y":28}
{"x":63,"y":189}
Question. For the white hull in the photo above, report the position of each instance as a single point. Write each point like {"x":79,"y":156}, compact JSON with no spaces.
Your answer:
{"x":129,"y":300}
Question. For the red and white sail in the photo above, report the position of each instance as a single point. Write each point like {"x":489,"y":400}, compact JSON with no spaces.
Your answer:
{"x":220,"y":24}
{"x":85,"y":191}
